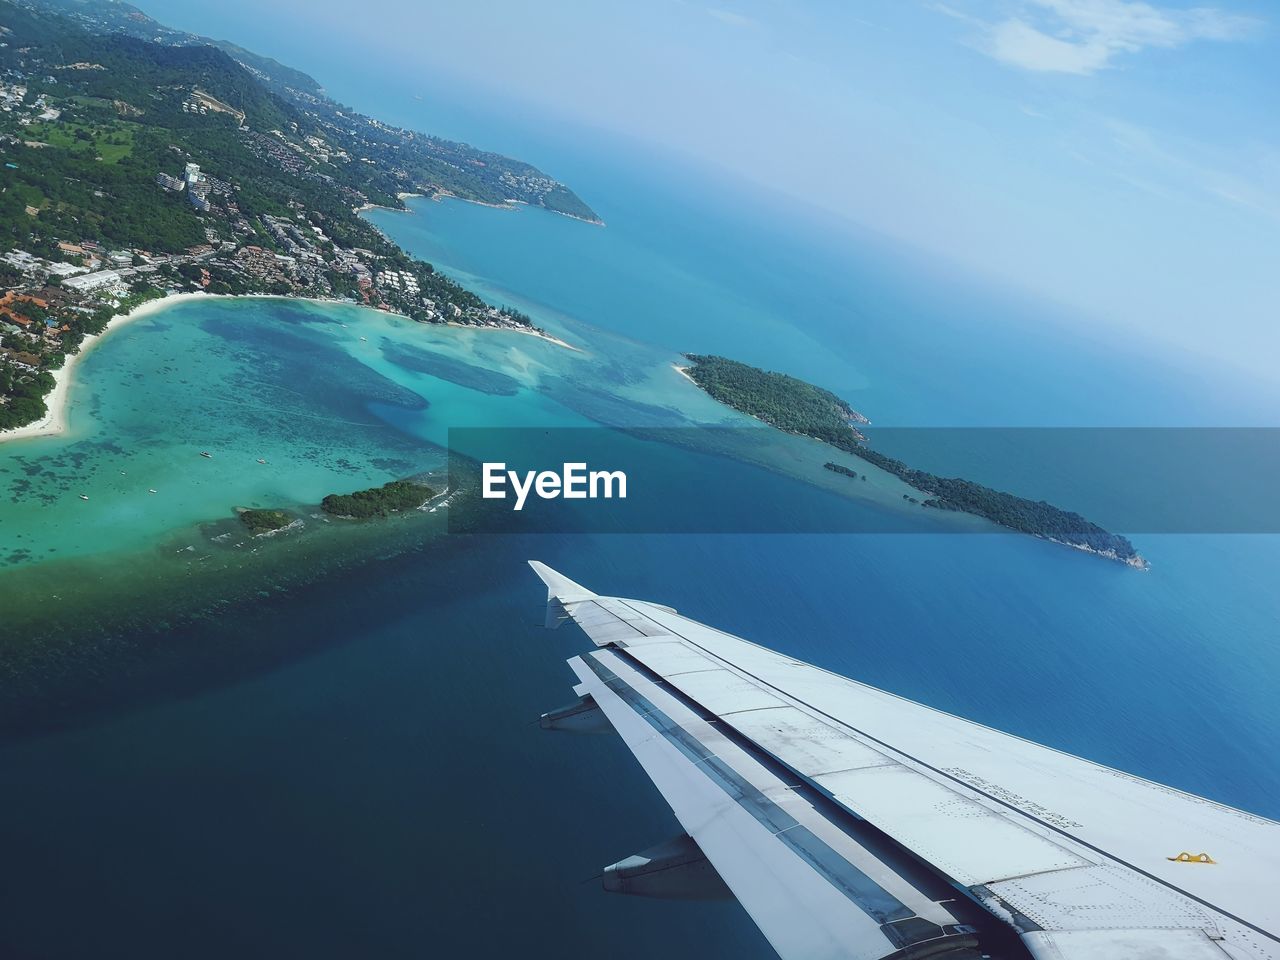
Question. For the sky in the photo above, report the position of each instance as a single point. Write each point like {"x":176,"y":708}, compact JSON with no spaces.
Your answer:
{"x":1116,"y":156}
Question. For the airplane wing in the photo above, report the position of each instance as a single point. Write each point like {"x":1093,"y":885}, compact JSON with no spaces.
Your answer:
{"x":853,"y":823}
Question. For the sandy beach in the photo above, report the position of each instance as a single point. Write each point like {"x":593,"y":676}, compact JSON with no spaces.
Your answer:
{"x":54,"y":422}
{"x":540,"y":334}
{"x":440,"y":195}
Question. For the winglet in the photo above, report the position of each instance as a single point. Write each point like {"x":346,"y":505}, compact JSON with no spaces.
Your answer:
{"x":560,"y":587}
{"x":560,"y":590}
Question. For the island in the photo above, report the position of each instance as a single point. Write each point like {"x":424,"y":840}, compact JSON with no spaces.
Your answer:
{"x":797,"y":407}
{"x":264,"y":522}
{"x":393,"y":497}
{"x":779,"y":400}
{"x":842,"y":469}
{"x":137,"y":162}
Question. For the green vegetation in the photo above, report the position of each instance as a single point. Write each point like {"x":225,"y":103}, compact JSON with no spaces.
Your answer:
{"x":108,"y":142}
{"x":842,"y":469}
{"x":779,"y":400}
{"x":105,"y":108}
{"x":25,"y":397}
{"x":122,"y":99}
{"x":265,"y":521}
{"x":801,"y":408}
{"x":401,"y":161}
{"x":390,"y":498}
{"x":1008,"y":510}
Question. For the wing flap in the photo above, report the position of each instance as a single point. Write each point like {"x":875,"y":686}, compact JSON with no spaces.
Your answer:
{"x":1100,"y":896}
{"x":811,"y":747}
{"x":810,"y":887}
{"x":967,"y":841}
{"x":1126,"y":944}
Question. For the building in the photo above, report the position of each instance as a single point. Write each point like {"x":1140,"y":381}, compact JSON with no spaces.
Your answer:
{"x":21,"y":260}
{"x":192,"y":174}
{"x":103,"y":280}
{"x":169,"y":183}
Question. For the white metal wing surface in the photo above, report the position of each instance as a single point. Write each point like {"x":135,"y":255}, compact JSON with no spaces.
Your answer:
{"x":850,"y":822}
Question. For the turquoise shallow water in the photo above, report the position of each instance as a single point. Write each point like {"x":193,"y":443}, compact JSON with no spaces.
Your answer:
{"x":334,"y":398}
{"x":387,"y":795}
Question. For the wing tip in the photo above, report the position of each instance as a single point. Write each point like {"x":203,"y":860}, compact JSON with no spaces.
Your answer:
{"x":559,"y":587}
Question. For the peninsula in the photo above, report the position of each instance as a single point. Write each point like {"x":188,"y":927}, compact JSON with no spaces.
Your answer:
{"x":801,"y":408}
{"x":138,"y":162}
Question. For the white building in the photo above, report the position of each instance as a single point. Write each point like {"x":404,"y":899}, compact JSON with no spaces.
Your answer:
{"x":21,"y":260}
{"x":65,"y":269}
{"x":105,"y":280}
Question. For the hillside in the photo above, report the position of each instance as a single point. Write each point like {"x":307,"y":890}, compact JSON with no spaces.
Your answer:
{"x":130,"y":168}
{"x":401,"y":161}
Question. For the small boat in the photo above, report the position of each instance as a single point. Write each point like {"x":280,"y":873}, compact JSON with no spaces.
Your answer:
{"x":206,"y":453}
{"x":83,"y":497}
{"x":151,"y":491}
{"x":260,"y":460}
{"x":366,"y":339}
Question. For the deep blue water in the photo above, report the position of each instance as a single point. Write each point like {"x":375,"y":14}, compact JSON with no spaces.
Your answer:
{"x":391,"y":795}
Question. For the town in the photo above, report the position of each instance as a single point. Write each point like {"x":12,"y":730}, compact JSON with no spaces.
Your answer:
{"x":50,"y":303}
{"x":107,"y":204}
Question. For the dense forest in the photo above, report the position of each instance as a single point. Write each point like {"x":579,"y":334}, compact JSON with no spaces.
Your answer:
{"x":779,"y":400}
{"x":801,"y":408}
{"x":380,"y":501}
{"x":1008,"y":510}
{"x":265,"y":521}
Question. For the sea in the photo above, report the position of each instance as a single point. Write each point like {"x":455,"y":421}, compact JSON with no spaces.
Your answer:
{"x":326,"y":744}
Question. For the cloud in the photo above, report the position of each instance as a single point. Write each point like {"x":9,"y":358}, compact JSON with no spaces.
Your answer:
{"x":949,"y":11}
{"x":732,"y":18}
{"x":1085,"y":36}
{"x":1022,"y":45}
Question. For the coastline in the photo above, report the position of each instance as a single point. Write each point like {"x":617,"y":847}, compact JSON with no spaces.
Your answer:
{"x":440,"y":195}
{"x":402,"y":197}
{"x":540,"y":334}
{"x":534,"y":332}
{"x":54,"y":422}
{"x":376,"y":206}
